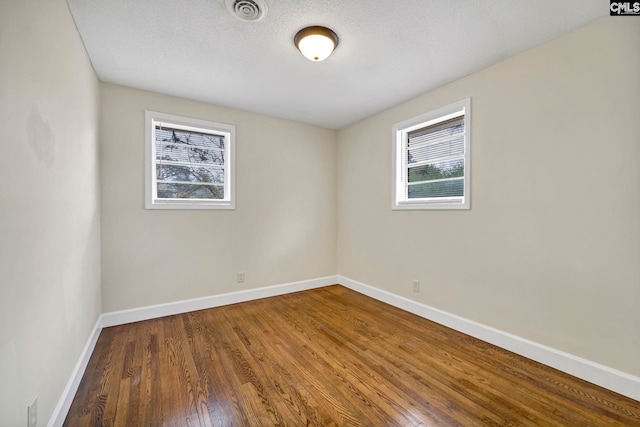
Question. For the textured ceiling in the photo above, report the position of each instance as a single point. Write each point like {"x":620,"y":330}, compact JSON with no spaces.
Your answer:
{"x":389,"y":51}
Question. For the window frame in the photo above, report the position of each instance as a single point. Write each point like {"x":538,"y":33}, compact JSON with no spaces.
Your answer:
{"x":400,"y":135}
{"x":221,"y":129}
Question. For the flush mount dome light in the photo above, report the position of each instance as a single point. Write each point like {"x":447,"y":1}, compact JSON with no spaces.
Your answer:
{"x":316,"y":43}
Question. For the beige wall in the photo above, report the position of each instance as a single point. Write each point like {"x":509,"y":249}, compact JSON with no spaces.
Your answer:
{"x":550,"y":249}
{"x":49,"y":205}
{"x":282,"y":230}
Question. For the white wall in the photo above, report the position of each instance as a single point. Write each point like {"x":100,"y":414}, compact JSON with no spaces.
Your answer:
{"x":49,"y":205}
{"x":550,"y":250}
{"x":283,"y":228}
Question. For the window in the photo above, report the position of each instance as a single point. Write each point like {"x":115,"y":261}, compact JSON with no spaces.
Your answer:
{"x":189,"y":163}
{"x":431,"y":159}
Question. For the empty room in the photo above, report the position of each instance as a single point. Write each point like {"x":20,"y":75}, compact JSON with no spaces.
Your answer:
{"x":319,"y":213}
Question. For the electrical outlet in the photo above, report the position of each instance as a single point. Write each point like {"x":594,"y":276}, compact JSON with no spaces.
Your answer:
{"x":416,"y":285}
{"x":240,"y":276}
{"x":32,"y":413}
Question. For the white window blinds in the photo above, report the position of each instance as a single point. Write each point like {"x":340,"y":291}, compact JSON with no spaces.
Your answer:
{"x":189,"y":164}
{"x":434,"y":160}
{"x":431,"y":159}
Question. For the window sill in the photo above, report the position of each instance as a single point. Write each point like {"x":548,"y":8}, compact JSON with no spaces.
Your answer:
{"x":436,"y":205}
{"x":179,"y":205}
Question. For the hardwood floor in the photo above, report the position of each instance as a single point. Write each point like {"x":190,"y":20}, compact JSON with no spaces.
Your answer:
{"x":325,"y":357}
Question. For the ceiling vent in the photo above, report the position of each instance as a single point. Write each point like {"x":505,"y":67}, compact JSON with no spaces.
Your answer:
{"x":247,"y":10}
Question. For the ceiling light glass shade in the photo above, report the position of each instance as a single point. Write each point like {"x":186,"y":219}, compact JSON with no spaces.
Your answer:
{"x":316,"y":43}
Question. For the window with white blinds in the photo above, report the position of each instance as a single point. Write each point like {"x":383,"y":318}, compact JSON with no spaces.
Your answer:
{"x":189,"y":163}
{"x":431,"y":159}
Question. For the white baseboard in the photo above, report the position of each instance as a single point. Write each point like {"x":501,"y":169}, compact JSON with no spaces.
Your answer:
{"x":620,"y":382}
{"x":115,"y":318}
{"x":609,"y":378}
{"x":154,"y":311}
{"x":69,"y":392}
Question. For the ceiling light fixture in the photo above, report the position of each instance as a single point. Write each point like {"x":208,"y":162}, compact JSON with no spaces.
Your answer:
{"x":316,"y":43}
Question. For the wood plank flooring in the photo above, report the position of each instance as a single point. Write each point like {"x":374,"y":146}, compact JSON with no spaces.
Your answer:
{"x":324,"y":357}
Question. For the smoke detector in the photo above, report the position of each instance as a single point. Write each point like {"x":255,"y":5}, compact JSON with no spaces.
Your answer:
{"x":247,"y":10}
